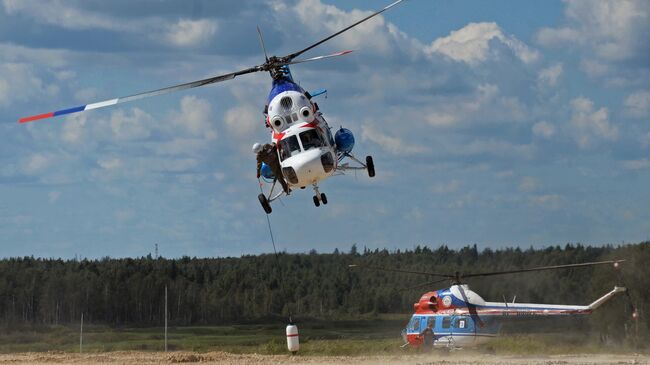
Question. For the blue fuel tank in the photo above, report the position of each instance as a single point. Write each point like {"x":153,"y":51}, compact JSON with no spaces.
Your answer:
{"x":344,"y":140}
{"x":267,"y":172}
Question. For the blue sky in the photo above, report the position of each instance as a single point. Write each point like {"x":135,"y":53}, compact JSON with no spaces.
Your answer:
{"x":498,"y":123}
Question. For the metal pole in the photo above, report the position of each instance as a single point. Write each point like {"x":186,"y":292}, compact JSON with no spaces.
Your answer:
{"x":165,"y":318}
{"x":81,"y":334}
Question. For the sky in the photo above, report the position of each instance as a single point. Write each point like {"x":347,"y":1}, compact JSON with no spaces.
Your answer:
{"x":501,"y":123}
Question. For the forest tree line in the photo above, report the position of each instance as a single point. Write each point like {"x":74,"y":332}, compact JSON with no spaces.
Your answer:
{"x":213,"y":291}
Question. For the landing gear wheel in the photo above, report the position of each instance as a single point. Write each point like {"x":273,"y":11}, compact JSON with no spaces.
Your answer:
{"x":370,"y":165}
{"x":316,"y":201}
{"x":265,"y":203}
{"x":323,"y":198}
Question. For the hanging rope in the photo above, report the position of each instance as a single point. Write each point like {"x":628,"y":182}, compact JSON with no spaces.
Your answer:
{"x":275,"y":252}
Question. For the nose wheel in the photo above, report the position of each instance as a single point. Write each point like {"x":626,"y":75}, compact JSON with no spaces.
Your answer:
{"x":319,"y":197}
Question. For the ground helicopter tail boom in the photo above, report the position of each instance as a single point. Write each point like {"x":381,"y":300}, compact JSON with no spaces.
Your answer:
{"x":534,"y":309}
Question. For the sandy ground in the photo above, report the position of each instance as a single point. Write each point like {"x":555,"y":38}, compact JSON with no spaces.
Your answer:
{"x":226,"y":358}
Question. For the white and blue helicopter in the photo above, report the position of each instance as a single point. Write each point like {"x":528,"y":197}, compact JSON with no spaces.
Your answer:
{"x":457,"y":317}
{"x":308,"y":152}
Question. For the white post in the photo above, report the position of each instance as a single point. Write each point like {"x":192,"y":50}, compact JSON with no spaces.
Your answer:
{"x":165,"y":318}
{"x":81,"y":334}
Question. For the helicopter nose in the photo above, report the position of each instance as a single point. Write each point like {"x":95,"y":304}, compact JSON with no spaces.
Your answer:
{"x":308,"y":167}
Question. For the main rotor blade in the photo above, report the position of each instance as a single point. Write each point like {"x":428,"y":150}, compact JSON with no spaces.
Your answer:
{"x":259,"y":32}
{"x":424,"y":284}
{"x":342,"y":53}
{"x":296,"y":54}
{"x":542,"y":268}
{"x":447,"y":276}
{"x":146,"y":94}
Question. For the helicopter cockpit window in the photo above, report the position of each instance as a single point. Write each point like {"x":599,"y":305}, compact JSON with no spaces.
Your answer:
{"x":446,"y":322}
{"x":431,"y":322}
{"x":311,"y":139}
{"x":289,"y":147}
{"x":414,"y":325}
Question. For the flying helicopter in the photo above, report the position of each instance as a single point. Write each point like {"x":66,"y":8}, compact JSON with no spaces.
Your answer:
{"x":307,"y":151}
{"x":458,"y":317}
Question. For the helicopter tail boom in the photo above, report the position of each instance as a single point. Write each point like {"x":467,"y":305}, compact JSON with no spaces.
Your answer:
{"x":598,"y":302}
{"x":534,"y":309}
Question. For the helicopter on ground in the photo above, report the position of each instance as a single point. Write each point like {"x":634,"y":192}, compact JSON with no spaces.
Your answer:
{"x":458,"y":317}
{"x":308,"y":153}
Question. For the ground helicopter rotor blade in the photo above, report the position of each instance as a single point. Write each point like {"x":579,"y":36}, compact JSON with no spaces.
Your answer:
{"x":428,"y":283}
{"x":296,"y":54}
{"x":166,"y":90}
{"x":542,"y":268}
{"x":342,"y":53}
{"x":457,"y":276}
{"x":446,"y":276}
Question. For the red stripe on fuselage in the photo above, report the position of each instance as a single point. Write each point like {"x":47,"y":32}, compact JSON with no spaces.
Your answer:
{"x":36,"y":117}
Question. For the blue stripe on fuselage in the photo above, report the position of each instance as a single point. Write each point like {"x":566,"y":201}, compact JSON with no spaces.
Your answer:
{"x":282,"y":85}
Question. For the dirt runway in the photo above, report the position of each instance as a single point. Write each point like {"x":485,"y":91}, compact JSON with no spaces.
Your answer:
{"x":227,"y":358}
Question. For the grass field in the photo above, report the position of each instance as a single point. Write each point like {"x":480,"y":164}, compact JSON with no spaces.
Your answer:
{"x":317,"y":337}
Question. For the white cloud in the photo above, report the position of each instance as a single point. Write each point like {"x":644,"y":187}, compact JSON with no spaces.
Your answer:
{"x":126,"y":126}
{"x":243,"y":120}
{"x":53,"y":196}
{"x":594,"y":68}
{"x":124,"y":215}
{"x":63,"y":14}
{"x":528,"y":184}
{"x":195,"y":118}
{"x":639,"y":164}
{"x":188,"y":33}
{"x":637,"y":104}
{"x":86,"y":95}
{"x":485,"y":104}
{"x":496,"y":147}
{"x":555,"y":36}
{"x":645,"y":140}
{"x":438,"y":119}
{"x":613,"y":29}
{"x":471,"y":44}
{"x":53,"y":58}
{"x":112,"y":163}
{"x":36,"y":163}
{"x":588,"y":125}
{"x":389,"y":143}
{"x":370,"y":35}
{"x":549,"y":201}
{"x":19,"y":82}
{"x":549,"y":76}
{"x":543,"y":129}
{"x":446,"y":188}
{"x":73,"y":128}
